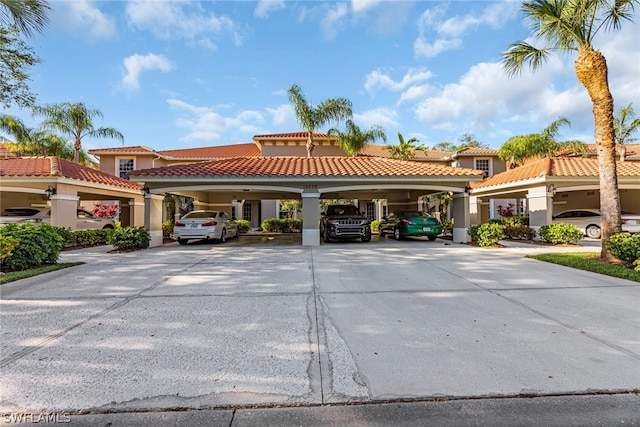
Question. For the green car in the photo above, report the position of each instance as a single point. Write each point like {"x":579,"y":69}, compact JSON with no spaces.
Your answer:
{"x":410,"y":223}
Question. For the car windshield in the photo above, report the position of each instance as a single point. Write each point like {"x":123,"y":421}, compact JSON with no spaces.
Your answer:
{"x":342,"y":210}
{"x":200,"y":214}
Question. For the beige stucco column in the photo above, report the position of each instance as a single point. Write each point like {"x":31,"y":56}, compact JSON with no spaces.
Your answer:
{"x":540,"y":202}
{"x":136,"y":213}
{"x":153,"y":218}
{"x":475,"y":210}
{"x":461,"y":217}
{"x":64,"y":210}
{"x":311,"y":219}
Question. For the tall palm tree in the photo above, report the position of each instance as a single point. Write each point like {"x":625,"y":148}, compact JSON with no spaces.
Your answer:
{"x":625,"y":124}
{"x":75,"y":120}
{"x":311,"y":118}
{"x":571,"y":25}
{"x":25,"y":15}
{"x":353,"y":140}
{"x":516,"y":150}
{"x":405,"y":149}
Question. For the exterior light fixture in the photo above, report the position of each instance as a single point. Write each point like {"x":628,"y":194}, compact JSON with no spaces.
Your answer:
{"x":50,"y":191}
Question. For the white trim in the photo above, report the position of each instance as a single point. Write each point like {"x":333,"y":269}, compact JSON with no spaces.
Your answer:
{"x":65,"y":197}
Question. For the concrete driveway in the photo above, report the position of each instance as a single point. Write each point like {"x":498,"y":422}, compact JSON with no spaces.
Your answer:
{"x":262,"y":322}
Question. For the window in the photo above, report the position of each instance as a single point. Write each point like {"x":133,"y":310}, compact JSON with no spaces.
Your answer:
{"x":246,"y":211}
{"x":371,"y":210}
{"x":483,"y":165}
{"x":124,"y":166}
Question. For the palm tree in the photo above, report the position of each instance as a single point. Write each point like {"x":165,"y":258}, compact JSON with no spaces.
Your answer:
{"x":75,"y":120}
{"x":405,"y":149}
{"x":25,"y":15}
{"x":572,"y":26}
{"x":311,"y":118}
{"x":516,"y":150}
{"x":353,"y":140}
{"x":623,"y":129}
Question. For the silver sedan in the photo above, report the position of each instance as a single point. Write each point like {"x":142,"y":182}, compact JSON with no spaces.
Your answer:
{"x":208,"y":225}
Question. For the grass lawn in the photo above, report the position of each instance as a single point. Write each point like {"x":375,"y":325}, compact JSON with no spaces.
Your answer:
{"x":589,"y":261}
{"x":17,"y":275}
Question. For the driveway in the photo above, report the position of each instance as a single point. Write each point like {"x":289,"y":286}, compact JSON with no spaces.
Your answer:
{"x":262,"y":322}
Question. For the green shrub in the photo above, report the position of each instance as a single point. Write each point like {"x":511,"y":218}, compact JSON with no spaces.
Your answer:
{"x":447,"y":226}
{"x":167,"y":229}
{"x":473,"y":232}
{"x":284,"y":225}
{"x":37,"y":245}
{"x":625,"y":247}
{"x":516,"y":220}
{"x":489,"y":234}
{"x":7,"y":245}
{"x":88,"y":238}
{"x":519,"y":231}
{"x":243,"y":225}
{"x":560,"y":233}
{"x":129,"y":238}
{"x":67,"y":236}
{"x":375,"y":225}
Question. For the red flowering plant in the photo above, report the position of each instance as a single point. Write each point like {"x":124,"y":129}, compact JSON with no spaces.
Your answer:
{"x":104,"y":210}
{"x":505,"y":211}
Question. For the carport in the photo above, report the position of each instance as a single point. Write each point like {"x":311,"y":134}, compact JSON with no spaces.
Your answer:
{"x":216,"y":184}
{"x":552,"y":185}
{"x":40,"y":181}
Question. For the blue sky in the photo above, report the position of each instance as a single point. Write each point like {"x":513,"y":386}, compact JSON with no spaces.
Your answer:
{"x":182,"y":74}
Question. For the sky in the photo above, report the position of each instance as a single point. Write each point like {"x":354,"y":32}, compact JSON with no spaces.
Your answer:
{"x":182,"y":74}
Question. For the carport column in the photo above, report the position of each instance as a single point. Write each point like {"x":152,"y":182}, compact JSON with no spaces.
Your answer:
{"x":153,"y":217}
{"x":64,"y":210}
{"x":540,"y":201}
{"x":310,"y":219}
{"x":461,"y":217}
{"x":475,"y":210}
{"x":136,"y":213}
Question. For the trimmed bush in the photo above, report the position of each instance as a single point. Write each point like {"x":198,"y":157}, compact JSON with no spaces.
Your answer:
{"x":284,"y":225}
{"x":489,"y":234}
{"x":625,"y":247}
{"x":243,"y":225}
{"x":37,"y":245}
{"x":7,"y":245}
{"x":519,"y":232}
{"x":87,"y":238}
{"x":560,"y":233}
{"x":129,"y":238}
{"x":375,"y":225}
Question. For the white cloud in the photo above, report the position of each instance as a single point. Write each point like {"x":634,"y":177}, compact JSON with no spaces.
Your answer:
{"x":333,"y":21}
{"x":204,"y":124}
{"x":282,"y":114}
{"x":423,"y":48}
{"x":377,"y":78}
{"x":359,"y":6}
{"x":170,"y":19}
{"x":136,"y":64}
{"x":382,"y":117}
{"x":415,"y":93}
{"x":265,"y":7}
{"x":84,"y":17}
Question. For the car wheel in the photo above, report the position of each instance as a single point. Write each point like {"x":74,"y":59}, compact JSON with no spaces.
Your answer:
{"x":396,"y":234}
{"x":366,"y":238}
{"x":381,"y":232}
{"x":108,"y":227}
{"x":182,"y":241}
{"x":432,"y":237}
{"x":593,"y":231}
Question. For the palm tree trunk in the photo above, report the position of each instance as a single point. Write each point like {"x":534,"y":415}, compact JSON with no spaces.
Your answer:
{"x":76,"y":151}
{"x":591,"y":70}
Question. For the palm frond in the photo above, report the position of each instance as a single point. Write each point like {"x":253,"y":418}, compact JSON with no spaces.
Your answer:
{"x":521,"y":54}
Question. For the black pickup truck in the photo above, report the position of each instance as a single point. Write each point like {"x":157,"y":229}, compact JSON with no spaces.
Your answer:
{"x":344,"y":222}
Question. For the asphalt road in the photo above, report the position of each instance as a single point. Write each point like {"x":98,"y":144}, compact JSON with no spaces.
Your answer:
{"x":226,"y":333}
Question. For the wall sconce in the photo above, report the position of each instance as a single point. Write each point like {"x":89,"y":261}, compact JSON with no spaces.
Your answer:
{"x":145,"y":190}
{"x":50,"y":191}
{"x":551,"y":189}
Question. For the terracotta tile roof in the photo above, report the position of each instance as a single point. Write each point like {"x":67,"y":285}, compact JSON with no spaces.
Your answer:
{"x":217,"y":152}
{"x":477,"y":151}
{"x":557,"y":167}
{"x":292,"y":135}
{"x":308,"y":166}
{"x":137,"y":149}
{"x":57,"y":167}
{"x":378,"y":150}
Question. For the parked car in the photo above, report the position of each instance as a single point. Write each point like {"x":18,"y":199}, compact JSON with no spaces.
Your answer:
{"x":410,"y":223}
{"x":85,"y":220}
{"x":588,"y":221}
{"x":206,"y":225}
{"x":344,"y":222}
